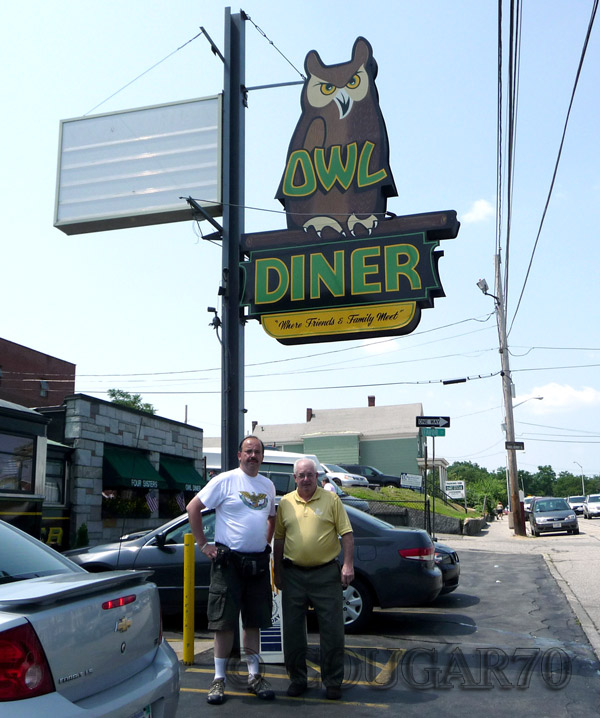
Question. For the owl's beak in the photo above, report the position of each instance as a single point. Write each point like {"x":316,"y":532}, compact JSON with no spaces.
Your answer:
{"x":344,"y":102}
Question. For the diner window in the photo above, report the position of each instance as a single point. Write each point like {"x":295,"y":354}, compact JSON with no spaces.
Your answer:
{"x":16,"y":463}
{"x":55,"y":481}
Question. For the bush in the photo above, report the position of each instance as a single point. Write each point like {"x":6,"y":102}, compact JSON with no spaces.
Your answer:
{"x":82,"y":539}
{"x":127,"y":508}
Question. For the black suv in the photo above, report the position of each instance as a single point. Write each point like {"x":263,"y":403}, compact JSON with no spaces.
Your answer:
{"x":373,"y":475}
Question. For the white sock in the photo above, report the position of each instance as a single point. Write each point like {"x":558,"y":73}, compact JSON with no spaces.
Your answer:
{"x":252,"y":662}
{"x":220,"y":667}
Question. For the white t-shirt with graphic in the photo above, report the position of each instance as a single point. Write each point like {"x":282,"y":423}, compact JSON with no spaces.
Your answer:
{"x":242,"y":505}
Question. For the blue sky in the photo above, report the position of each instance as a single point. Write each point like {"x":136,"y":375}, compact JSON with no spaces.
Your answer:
{"x":129,"y":307}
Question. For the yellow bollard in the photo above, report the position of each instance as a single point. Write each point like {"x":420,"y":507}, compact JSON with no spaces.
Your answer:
{"x":189,"y":566}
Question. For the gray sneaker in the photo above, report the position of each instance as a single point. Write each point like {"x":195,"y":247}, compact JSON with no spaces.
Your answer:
{"x":216,"y":692}
{"x":261,"y":688}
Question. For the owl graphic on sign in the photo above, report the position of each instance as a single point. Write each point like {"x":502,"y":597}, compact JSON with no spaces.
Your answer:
{"x":337,"y":177}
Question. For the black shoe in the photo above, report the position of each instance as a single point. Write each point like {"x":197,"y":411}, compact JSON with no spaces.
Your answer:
{"x":261,"y":688}
{"x":216,"y":692}
{"x":296,"y":689}
{"x":333,"y":693}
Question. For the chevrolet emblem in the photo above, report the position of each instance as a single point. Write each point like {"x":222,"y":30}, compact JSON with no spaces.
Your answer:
{"x":123,"y":624}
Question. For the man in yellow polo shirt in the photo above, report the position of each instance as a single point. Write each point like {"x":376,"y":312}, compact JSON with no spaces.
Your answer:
{"x":307,"y":530}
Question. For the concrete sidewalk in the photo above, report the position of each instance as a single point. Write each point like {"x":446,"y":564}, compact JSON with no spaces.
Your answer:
{"x":572,"y":560}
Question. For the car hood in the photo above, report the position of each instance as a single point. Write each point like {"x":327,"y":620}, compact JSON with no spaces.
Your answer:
{"x":560,"y":514}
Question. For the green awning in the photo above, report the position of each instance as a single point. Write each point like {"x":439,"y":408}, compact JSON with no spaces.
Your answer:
{"x":129,"y":469}
{"x":180,"y":473}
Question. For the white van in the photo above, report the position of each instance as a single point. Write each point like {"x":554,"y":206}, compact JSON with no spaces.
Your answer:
{"x":277,"y":466}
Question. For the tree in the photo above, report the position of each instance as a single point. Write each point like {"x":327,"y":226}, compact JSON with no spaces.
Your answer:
{"x":480,"y":484}
{"x":544,"y":480}
{"x":133,"y":401}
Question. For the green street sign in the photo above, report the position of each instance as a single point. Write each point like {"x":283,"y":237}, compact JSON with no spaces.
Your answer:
{"x":433,"y":432}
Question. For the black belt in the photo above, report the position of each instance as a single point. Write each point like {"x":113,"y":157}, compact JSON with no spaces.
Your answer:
{"x":288,"y":562}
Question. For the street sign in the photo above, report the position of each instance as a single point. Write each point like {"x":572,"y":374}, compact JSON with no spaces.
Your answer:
{"x":411,"y":481}
{"x":516,"y":445}
{"x":455,"y":489}
{"x":439,"y":421}
{"x":433,"y":432}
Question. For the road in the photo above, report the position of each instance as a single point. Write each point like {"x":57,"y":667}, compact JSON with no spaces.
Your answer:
{"x":513,"y":638}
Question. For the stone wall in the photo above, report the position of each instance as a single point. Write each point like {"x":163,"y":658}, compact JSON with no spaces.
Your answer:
{"x":89,"y":424}
{"x":403,"y":516}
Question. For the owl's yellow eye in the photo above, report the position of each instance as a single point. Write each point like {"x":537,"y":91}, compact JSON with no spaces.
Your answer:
{"x":327,"y":88}
{"x":354,"y":83}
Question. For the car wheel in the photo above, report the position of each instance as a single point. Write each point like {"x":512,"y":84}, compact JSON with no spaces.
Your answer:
{"x":534,"y":532}
{"x":358,"y":606}
{"x":575,"y":531}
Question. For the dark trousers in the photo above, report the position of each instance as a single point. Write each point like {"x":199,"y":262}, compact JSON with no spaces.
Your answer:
{"x":322,"y":588}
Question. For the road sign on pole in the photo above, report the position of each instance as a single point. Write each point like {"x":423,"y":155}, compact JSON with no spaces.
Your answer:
{"x":515,"y":445}
{"x":433,"y":432}
{"x":434,"y":421}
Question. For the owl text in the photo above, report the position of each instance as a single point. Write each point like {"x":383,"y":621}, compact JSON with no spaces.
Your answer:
{"x":304,"y":173}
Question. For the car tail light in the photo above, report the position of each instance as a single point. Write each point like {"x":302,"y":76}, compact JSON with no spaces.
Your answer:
{"x":24,"y":669}
{"x":424,"y":553}
{"x":118,"y":602}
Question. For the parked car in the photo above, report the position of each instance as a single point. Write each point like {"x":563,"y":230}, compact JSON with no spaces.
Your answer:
{"x":284,"y":483}
{"x":373,"y":475}
{"x":343,"y":478}
{"x":447,"y":560}
{"x":393,"y":566}
{"x":576,"y":503}
{"x":348,"y":500}
{"x":552,"y":514}
{"x":527,"y":504}
{"x":75,"y":643}
{"x":591,"y":507}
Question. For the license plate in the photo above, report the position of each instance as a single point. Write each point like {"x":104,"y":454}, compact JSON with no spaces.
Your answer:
{"x":556,"y":524}
{"x":145,"y":712}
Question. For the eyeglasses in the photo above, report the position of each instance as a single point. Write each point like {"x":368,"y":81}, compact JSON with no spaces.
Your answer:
{"x":306,"y":475}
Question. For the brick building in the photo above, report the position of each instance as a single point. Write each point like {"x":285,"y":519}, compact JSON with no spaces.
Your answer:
{"x":30,"y":378}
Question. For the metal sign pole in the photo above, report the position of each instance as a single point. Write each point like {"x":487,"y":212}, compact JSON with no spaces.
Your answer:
{"x":232,"y":353}
{"x":433,"y":487}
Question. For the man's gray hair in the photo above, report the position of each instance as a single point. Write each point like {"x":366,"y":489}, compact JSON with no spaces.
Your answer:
{"x":312,"y":461}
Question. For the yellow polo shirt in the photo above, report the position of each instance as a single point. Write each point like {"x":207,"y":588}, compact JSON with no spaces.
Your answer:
{"x":311,"y":529}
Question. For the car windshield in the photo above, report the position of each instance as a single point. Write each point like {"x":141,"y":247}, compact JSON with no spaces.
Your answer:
{"x":576,"y":499}
{"x":335,"y":467}
{"x":593,"y":499}
{"x":22,"y":558}
{"x":550,"y":505}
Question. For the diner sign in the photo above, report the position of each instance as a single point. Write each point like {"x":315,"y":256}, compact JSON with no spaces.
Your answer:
{"x":345,"y":267}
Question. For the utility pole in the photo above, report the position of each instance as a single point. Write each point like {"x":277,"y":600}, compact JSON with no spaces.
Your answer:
{"x":507,"y":386}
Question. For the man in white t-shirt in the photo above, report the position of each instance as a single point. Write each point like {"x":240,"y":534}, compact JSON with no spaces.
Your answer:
{"x":244,"y":503}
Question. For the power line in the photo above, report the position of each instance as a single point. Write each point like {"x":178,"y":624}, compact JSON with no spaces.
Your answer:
{"x":562,"y":141}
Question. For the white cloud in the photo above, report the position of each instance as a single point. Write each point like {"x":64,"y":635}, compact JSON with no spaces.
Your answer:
{"x":479,"y":212}
{"x":560,"y":396}
{"x":379,"y":346}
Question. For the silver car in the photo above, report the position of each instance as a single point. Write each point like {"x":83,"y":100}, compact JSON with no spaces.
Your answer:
{"x":75,"y":644}
{"x":591,"y":507}
{"x":344,"y":478}
{"x":552,"y":514}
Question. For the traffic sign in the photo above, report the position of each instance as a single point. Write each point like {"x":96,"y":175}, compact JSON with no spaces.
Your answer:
{"x":433,"y":432}
{"x":439,"y":421}
{"x":516,"y":445}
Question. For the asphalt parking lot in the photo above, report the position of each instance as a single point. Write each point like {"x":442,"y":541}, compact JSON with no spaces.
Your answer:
{"x":509,"y":639}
